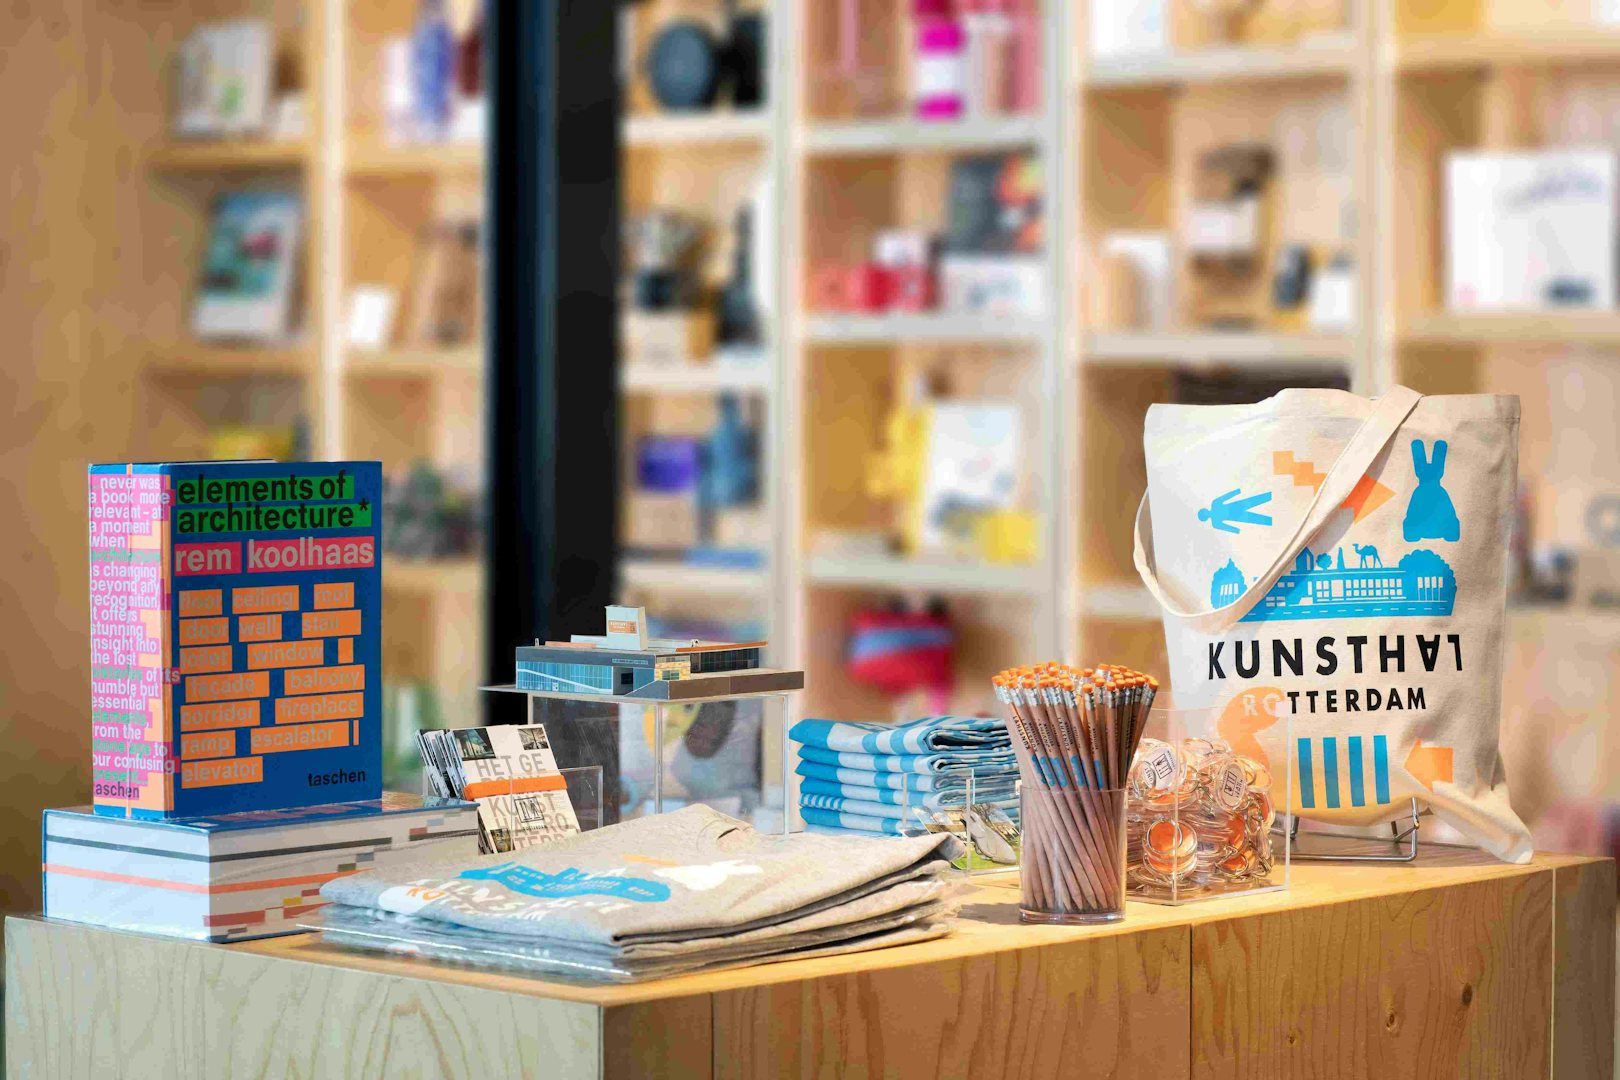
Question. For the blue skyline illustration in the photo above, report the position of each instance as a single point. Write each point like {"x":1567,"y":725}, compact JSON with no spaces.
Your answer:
{"x":1322,"y":587}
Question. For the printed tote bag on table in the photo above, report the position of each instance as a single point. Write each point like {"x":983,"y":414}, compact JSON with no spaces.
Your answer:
{"x":1344,"y":561}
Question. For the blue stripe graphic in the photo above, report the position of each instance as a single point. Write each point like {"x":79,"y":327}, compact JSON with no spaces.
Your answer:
{"x":1307,"y":778}
{"x":1381,"y":768}
{"x":1358,"y":791}
{"x":1330,"y":771}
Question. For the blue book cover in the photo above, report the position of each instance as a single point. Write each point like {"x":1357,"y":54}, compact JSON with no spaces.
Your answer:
{"x":235,"y":637}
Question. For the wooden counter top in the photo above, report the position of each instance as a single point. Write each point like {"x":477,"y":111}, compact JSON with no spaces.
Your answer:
{"x":1455,"y":965}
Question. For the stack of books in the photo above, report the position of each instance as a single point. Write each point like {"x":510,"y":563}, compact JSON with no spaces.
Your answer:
{"x":236,"y":876}
{"x":626,"y":663}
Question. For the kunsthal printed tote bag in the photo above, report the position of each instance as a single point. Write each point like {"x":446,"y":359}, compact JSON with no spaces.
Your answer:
{"x":1345,"y":561}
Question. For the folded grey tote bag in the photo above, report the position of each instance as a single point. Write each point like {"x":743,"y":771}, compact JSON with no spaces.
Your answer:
{"x":1343,"y":561}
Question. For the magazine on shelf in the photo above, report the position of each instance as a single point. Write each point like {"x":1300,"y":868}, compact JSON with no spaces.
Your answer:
{"x":511,"y":774}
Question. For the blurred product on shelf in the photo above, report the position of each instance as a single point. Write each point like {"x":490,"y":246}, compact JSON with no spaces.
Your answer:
{"x":247,"y":287}
{"x":432,"y":82}
{"x":986,"y":262}
{"x":1333,"y":295}
{"x":730,"y":460}
{"x":692,"y":65}
{"x":433,"y":60}
{"x":902,"y":652}
{"x":224,"y":80}
{"x":446,"y":284}
{"x":1531,"y":230}
{"x":1224,"y":224}
{"x":1136,"y":290}
{"x":970,"y":469}
{"x":512,"y":776}
{"x":244,"y":442}
{"x":371,"y":316}
{"x":431,"y":513}
{"x":662,"y":248}
{"x":738,"y":322}
{"x":939,"y":67}
{"x":972,"y":58}
{"x":699,"y":495}
{"x":669,"y":464}
{"x":1129,"y":28}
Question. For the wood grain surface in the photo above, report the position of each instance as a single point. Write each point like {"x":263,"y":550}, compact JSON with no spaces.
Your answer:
{"x":1439,"y":983}
{"x":84,"y":1002}
{"x":1583,"y":958}
{"x":1113,"y":1006}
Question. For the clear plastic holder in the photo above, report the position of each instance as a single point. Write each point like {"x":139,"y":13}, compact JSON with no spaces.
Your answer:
{"x":665,"y":770}
{"x":1074,"y":855}
{"x":1208,"y":792}
{"x":584,"y":786}
{"x":986,"y":819}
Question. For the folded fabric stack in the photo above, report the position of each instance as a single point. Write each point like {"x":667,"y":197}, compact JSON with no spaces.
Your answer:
{"x":892,"y":779}
{"x":655,"y":896}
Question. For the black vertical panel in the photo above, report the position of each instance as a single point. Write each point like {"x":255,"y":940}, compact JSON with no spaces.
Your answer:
{"x":552,"y":362}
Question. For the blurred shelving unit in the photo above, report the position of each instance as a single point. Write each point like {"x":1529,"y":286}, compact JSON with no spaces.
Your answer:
{"x":365,"y":203}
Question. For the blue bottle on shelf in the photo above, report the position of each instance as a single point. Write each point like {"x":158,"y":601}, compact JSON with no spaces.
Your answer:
{"x":731,"y":476}
{"x":433,"y":50}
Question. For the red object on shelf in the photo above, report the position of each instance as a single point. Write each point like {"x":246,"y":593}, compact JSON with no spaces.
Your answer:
{"x":912,"y":288}
{"x":902,"y":652}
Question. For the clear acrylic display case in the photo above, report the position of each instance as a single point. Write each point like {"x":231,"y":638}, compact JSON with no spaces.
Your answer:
{"x":1208,"y":793}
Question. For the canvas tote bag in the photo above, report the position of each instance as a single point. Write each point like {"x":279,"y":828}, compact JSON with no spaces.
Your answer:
{"x":1344,"y":561}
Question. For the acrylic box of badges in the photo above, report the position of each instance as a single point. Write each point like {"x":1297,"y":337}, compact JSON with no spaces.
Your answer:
{"x":1208,"y":791}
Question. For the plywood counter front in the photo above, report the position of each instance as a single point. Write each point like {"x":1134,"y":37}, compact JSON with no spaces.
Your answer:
{"x":1455,"y":966}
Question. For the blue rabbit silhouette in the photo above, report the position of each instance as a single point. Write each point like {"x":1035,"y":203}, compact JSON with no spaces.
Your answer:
{"x":1429,"y":513}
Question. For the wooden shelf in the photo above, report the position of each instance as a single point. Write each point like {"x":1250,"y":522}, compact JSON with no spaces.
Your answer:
{"x":1571,"y":327}
{"x":669,"y":576}
{"x":696,"y":378}
{"x":934,"y":575}
{"x":697,"y":129}
{"x":864,"y":137}
{"x":231,"y":361}
{"x":1213,"y":347}
{"x":229,"y":155}
{"x":939,"y":327}
{"x":1599,"y":44}
{"x":1331,"y":57}
{"x":374,"y":160}
{"x":419,"y":363}
{"x":432,"y":576}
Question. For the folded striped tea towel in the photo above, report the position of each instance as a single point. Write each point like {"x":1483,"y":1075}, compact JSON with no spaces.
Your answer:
{"x":932,"y":734}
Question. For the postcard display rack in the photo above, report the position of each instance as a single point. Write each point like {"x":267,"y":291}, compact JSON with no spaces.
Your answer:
{"x":777,"y":705}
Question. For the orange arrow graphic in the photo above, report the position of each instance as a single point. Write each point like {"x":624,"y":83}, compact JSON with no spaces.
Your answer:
{"x":1429,"y":764}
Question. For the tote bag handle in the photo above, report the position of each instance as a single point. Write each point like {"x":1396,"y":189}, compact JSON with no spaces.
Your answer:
{"x":1353,"y":461}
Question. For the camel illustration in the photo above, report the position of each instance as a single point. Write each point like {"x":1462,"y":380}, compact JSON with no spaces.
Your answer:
{"x":1369,"y":555}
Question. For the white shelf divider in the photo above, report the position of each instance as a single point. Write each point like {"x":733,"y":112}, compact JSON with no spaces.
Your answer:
{"x":942,"y":327}
{"x":707,"y":378}
{"x":698,"y":128}
{"x":899,"y":135}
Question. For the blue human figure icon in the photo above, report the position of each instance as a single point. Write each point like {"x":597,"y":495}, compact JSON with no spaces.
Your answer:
{"x":1429,"y":512}
{"x":1227,"y":512}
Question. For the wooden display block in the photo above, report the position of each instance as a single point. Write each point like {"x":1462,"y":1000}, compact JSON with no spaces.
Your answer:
{"x":1454,"y":966}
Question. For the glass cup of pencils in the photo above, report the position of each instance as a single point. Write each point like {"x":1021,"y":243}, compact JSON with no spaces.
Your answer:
{"x":1075,"y":731}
